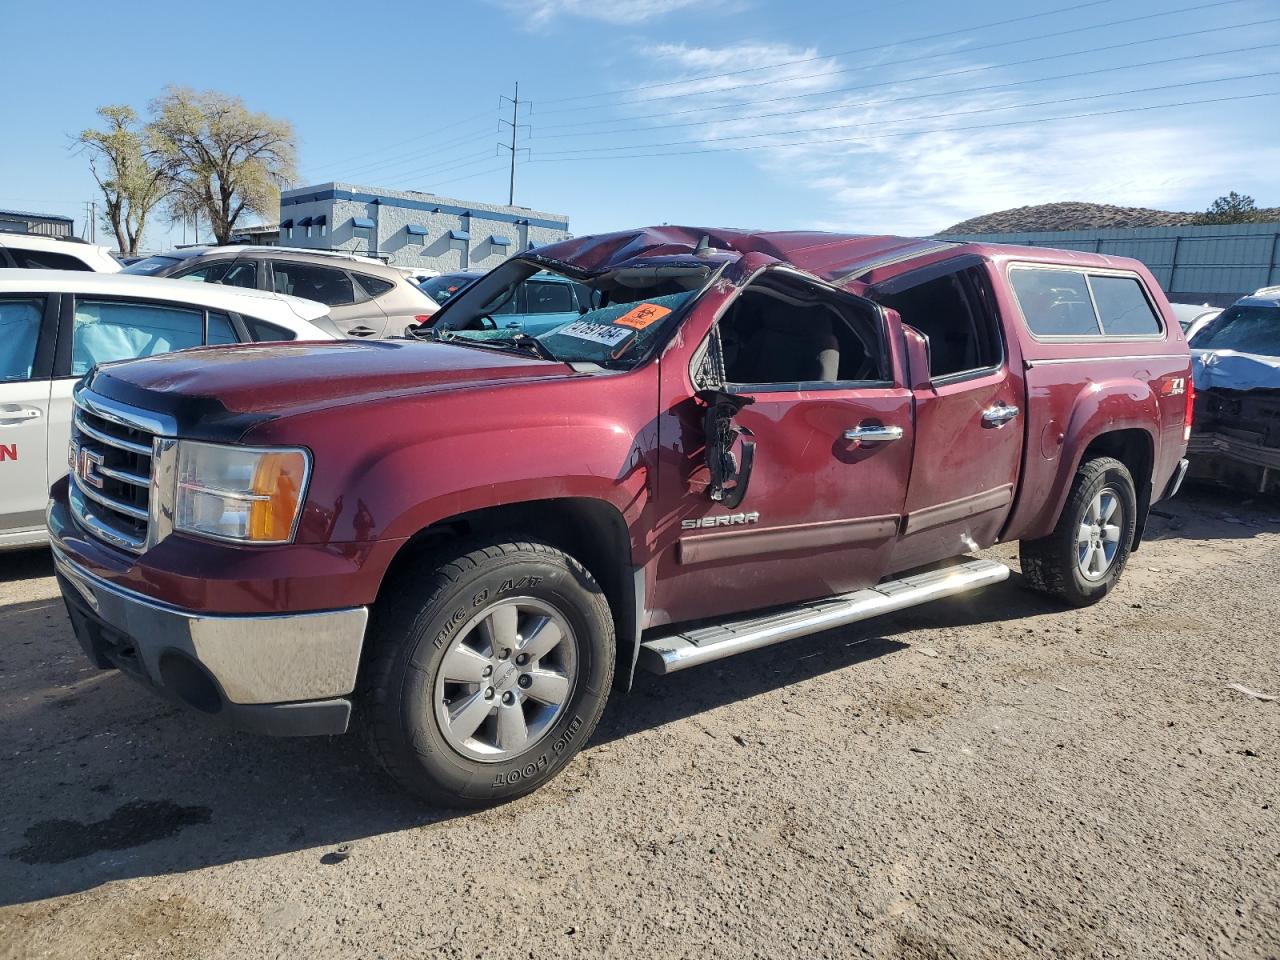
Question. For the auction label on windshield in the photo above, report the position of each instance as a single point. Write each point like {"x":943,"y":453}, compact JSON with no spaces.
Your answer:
{"x":642,"y":316}
{"x":604,"y":333}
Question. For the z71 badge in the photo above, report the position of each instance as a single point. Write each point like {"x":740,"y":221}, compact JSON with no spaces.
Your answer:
{"x":727,"y":520}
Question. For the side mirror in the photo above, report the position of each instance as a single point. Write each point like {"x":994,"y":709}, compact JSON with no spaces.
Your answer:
{"x":917,"y":358}
{"x":730,"y":472}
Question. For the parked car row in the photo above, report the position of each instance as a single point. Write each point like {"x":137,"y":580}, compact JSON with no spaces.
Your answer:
{"x":56,"y":325}
{"x":366,"y":298}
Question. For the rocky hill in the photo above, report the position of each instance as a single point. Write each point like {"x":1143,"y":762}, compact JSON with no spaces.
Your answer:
{"x":1081,"y":216}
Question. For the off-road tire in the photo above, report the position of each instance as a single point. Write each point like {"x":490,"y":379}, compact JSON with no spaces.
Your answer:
{"x":411,"y":630}
{"x":1051,"y":565}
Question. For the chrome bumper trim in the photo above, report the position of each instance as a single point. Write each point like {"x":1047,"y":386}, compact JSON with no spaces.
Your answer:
{"x":255,"y":659}
{"x":1175,"y":482}
{"x":688,"y":648}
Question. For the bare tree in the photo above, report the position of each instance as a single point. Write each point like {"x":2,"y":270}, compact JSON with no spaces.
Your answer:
{"x":223,"y":158}
{"x":131,"y":180}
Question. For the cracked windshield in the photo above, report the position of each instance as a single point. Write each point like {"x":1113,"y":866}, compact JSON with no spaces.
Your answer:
{"x":613,"y":319}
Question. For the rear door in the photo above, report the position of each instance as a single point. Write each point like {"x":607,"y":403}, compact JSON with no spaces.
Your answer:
{"x":350,"y":307}
{"x":27,"y":330}
{"x":970,"y":418}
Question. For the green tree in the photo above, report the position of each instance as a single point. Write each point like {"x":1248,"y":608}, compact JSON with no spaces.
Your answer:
{"x":130,"y":178}
{"x":1233,"y":208}
{"x":222,"y":158}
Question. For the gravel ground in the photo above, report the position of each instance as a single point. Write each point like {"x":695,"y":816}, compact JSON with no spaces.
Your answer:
{"x":987,"y":777}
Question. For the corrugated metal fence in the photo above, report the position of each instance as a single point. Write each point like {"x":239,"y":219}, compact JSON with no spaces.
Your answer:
{"x":1214,"y":264}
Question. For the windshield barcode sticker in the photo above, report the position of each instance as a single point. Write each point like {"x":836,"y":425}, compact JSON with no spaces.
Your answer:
{"x":596,"y":332}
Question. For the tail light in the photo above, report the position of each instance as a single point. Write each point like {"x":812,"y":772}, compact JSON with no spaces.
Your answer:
{"x":1191,"y":406}
{"x":422,"y":318}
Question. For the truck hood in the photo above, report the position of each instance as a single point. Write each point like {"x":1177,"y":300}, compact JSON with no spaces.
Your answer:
{"x":1229,"y":370}
{"x":218,"y":393}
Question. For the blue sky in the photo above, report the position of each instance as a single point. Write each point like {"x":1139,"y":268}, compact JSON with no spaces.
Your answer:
{"x":866,"y":117}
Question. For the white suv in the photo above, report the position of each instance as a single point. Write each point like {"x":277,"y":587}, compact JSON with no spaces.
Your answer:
{"x":31,"y":252}
{"x":56,"y":324}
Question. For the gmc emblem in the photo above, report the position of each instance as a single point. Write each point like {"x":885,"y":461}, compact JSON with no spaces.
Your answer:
{"x":87,"y":464}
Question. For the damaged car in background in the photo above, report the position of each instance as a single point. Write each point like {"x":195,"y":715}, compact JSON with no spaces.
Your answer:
{"x":1235,"y":362}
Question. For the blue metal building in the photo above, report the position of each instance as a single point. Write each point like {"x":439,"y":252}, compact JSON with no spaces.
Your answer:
{"x":408,"y":228}
{"x":1214,"y":264}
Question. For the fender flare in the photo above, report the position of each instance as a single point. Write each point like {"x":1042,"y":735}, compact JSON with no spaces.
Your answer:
{"x":1102,"y":407}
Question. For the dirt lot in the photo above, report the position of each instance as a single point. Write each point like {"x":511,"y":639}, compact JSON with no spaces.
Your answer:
{"x":990,"y":777}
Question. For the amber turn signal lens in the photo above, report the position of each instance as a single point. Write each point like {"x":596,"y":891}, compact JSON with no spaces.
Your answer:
{"x":277,"y":480}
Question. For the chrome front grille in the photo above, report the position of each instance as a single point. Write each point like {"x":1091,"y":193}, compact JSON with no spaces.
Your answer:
{"x":112,"y":464}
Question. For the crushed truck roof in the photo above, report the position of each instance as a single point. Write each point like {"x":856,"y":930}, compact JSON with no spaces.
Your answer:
{"x":834,"y":257}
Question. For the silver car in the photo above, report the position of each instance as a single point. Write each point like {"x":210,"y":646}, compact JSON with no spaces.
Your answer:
{"x":365,"y":297}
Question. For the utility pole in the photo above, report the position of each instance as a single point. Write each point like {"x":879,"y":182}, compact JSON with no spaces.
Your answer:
{"x":515,"y":125}
{"x":90,"y":231}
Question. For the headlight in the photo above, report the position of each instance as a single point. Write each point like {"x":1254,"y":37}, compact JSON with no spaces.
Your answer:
{"x":253,"y":494}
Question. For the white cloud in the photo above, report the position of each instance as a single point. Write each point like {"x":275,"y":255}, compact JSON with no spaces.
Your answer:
{"x":928,"y":180}
{"x":542,"y":12}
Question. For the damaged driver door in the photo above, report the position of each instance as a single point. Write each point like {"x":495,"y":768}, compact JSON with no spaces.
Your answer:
{"x":786,"y":452}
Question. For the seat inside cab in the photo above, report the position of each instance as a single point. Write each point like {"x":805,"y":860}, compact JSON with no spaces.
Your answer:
{"x":783,"y":329}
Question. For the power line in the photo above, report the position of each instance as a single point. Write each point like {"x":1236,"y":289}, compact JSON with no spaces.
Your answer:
{"x":880,"y":46}
{"x":471,"y":176}
{"x":934,"y":116}
{"x":420,"y":136}
{"x":989,"y":46}
{"x":887,"y":83}
{"x":910,"y":133}
{"x":436,"y":169}
{"x":435,"y":150}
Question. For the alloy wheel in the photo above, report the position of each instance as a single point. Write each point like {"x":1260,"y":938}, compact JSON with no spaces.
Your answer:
{"x":1098,"y":539}
{"x":505,"y":679}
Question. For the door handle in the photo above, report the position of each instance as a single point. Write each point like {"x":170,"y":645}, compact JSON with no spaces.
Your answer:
{"x":361,"y":332}
{"x":875,"y":434}
{"x":999,"y":415}
{"x":9,"y":418}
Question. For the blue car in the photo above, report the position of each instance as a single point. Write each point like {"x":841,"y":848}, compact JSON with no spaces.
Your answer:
{"x":541,"y":303}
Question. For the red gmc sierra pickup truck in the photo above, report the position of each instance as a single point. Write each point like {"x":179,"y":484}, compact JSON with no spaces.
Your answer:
{"x":744,"y":438}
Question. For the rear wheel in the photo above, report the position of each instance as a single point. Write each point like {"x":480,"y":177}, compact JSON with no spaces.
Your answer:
{"x":490,"y":671}
{"x":1086,"y":553}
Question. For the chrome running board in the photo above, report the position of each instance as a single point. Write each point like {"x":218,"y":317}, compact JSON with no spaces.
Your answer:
{"x":688,"y":648}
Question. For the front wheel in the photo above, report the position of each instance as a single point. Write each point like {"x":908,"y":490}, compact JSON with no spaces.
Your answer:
{"x":1085,"y":555}
{"x":490,"y":671}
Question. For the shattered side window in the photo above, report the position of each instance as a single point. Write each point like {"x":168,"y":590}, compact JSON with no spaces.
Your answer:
{"x":1246,"y":329}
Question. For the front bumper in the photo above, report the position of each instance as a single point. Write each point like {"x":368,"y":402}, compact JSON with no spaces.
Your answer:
{"x":286,"y":675}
